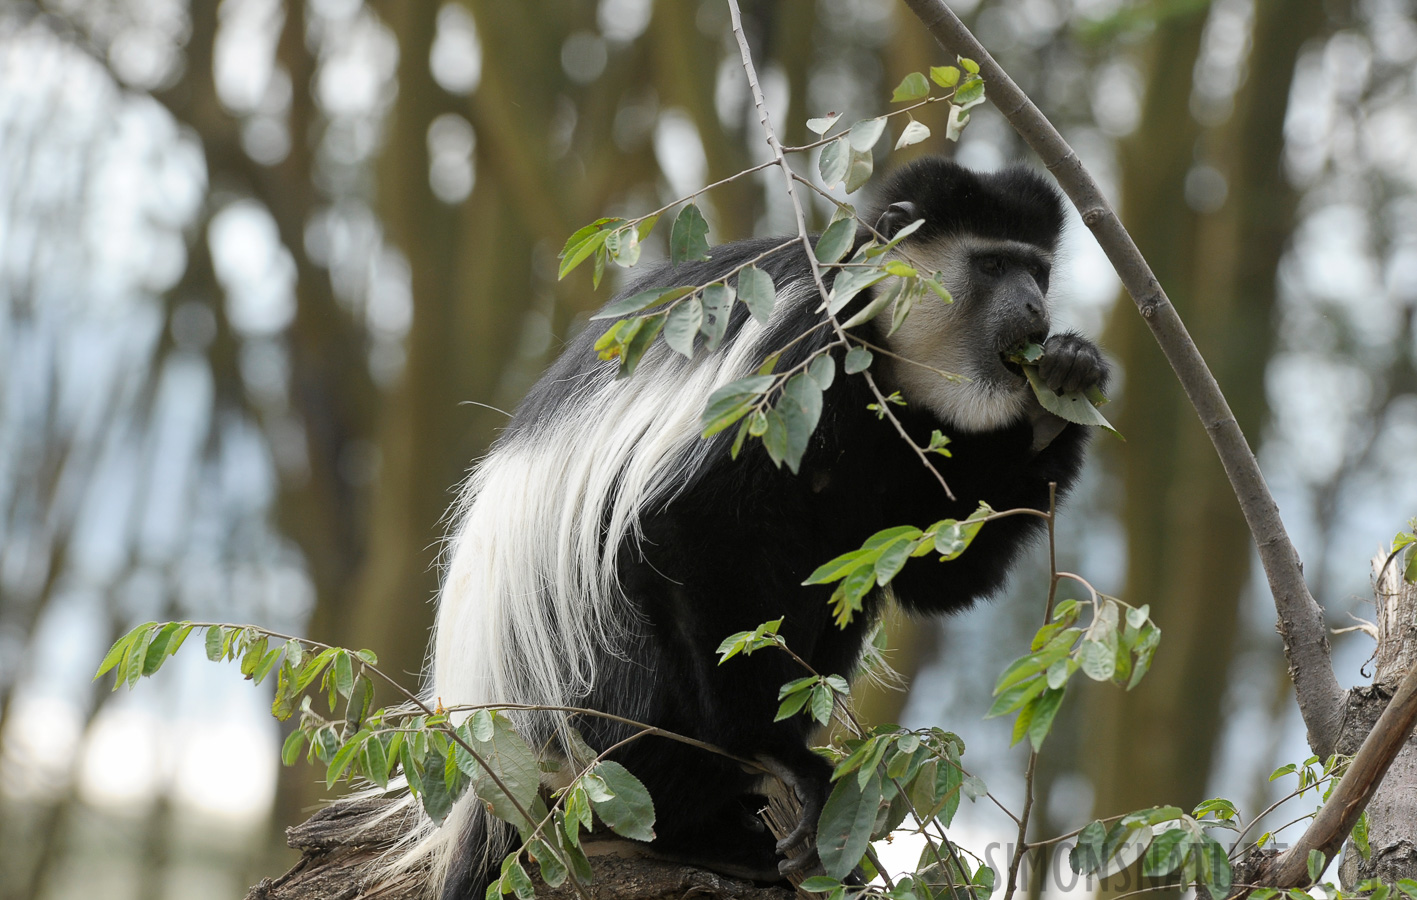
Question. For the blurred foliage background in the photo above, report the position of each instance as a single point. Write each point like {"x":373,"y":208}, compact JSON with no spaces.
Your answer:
{"x":270,"y":268}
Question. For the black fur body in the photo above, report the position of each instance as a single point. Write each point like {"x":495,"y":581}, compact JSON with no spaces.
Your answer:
{"x":729,"y":547}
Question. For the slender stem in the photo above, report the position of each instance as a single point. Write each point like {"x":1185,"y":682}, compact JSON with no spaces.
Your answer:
{"x":1022,"y":846}
{"x":805,"y":236}
{"x":1053,"y":575}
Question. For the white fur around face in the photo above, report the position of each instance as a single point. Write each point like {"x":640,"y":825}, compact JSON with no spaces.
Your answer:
{"x":955,"y":338}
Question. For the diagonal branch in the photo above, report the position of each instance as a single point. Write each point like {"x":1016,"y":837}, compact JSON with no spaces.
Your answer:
{"x":1301,"y":621}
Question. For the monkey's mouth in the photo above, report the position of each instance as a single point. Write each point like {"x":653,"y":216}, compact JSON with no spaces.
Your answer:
{"x":1013,"y":368}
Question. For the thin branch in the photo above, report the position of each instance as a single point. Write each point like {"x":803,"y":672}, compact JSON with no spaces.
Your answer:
{"x":805,"y":236}
{"x":1301,"y":621}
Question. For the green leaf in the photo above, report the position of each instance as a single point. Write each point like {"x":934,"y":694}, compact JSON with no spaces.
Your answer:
{"x":800,"y":406}
{"x":835,"y":162}
{"x":792,"y":705}
{"x":629,"y":811}
{"x":819,"y":884}
{"x":360,"y":699}
{"x":823,"y":124}
{"x":851,"y":282}
{"x":642,"y":301}
{"x":581,"y":245}
{"x":376,"y":762}
{"x":157,"y":647}
{"x":516,"y":878}
{"x":643,"y":334}
{"x":213,"y":643}
{"x":283,"y":704}
{"x":1317,"y":862}
{"x":366,"y":655}
{"x":1015,"y":697}
{"x":944,"y":76}
{"x":970,"y":93}
{"x":731,"y":402}
{"x":912,"y":87}
{"x":891,"y":560}
{"x":835,"y":241}
{"x":822,"y":703}
{"x":1073,"y":406}
{"x":864,"y":135}
{"x":290,"y":750}
{"x":1213,"y":866}
{"x":718,"y":300}
{"x":1360,"y":835}
{"x":840,"y":567}
{"x":822,"y":370}
{"x":858,"y":359}
{"x":343,"y":757}
{"x":1166,"y":853}
{"x":344,"y":673}
{"x":859,"y":171}
{"x":508,"y":755}
{"x":1288,"y":769}
{"x":688,"y":238}
{"x":880,"y":301}
{"x":1097,"y":660}
{"x":756,"y":290}
{"x":1087,"y":855}
{"x":847,"y":819}
{"x":682,"y":326}
{"x":1043,"y":713}
{"x":118,"y":651}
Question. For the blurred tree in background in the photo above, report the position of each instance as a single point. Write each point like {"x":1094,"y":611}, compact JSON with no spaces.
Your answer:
{"x":269,"y":270}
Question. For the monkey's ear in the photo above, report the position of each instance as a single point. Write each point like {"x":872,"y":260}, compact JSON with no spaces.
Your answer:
{"x":896,"y":216}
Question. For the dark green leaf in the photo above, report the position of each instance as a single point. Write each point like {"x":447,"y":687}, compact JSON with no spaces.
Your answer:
{"x":718,"y":301}
{"x":819,"y":884}
{"x":1317,"y":862}
{"x":290,"y":750}
{"x":552,"y":871}
{"x":858,"y":359}
{"x":851,"y":282}
{"x":642,"y":301}
{"x":860,"y":171}
{"x":756,"y":290}
{"x":342,"y":759}
{"x":731,"y":402}
{"x":437,"y":801}
{"x":800,"y":406}
{"x":844,"y":829}
{"x":376,"y":762}
{"x":1087,"y":855}
{"x":682,"y":326}
{"x":1043,"y":714}
{"x":214,"y":649}
{"x":344,"y":673}
{"x":912,"y":87}
{"x":643,"y":333}
{"x":822,"y":703}
{"x":792,"y":705}
{"x":835,"y":241}
{"x":1074,"y":406}
{"x":1165,"y":854}
{"x":1213,"y":866}
{"x":688,"y":238}
{"x":515,"y":877}
{"x":835,"y":162}
{"x":630,"y":811}
{"x":157,"y":647}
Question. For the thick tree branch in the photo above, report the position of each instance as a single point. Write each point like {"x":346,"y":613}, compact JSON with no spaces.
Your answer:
{"x":1301,"y":620}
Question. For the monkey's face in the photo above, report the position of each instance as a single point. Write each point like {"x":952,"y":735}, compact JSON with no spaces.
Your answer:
{"x":954,"y":356}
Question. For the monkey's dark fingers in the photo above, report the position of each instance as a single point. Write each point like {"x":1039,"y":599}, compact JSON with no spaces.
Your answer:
{"x":807,"y":825}
{"x":801,"y":863}
{"x":1071,"y":363}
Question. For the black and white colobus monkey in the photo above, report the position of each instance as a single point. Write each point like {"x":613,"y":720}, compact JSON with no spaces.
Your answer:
{"x":604,"y":549}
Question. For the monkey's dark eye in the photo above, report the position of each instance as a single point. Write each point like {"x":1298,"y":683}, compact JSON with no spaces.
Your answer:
{"x":1039,"y":272}
{"x":990,"y":265}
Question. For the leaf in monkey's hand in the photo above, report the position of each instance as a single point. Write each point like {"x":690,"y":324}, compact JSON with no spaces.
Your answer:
{"x":1074,"y":406}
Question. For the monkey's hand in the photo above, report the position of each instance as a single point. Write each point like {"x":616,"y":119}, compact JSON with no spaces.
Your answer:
{"x":1071,"y":362}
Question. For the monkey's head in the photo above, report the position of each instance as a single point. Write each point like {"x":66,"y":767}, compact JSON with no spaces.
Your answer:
{"x":993,"y":236}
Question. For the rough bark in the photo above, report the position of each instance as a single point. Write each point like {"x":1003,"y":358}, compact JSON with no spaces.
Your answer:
{"x":341,"y":848}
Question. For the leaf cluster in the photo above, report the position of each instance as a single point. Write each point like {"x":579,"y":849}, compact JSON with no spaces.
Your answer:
{"x":1117,"y":646}
{"x":885,"y":553}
